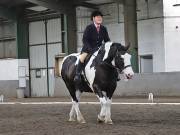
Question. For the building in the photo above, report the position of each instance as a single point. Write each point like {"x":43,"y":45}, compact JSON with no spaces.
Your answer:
{"x":34,"y":32}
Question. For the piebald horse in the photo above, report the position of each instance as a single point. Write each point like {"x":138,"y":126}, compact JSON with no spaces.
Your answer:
{"x":99,"y":76}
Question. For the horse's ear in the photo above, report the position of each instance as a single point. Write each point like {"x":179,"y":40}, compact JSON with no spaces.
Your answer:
{"x":128,"y":46}
{"x":124,"y":48}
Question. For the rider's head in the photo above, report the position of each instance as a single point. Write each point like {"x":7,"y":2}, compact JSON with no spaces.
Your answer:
{"x":97,"y":17}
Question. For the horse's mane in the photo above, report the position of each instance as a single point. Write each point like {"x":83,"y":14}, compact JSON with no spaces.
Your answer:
{"x":99,"y":57}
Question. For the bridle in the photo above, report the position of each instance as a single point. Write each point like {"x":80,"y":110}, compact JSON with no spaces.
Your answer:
{"x":126,"y":67}
{"x":120,"y":70}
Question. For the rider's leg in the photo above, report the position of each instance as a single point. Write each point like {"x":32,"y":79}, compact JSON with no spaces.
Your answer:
{"x":80,"y":66}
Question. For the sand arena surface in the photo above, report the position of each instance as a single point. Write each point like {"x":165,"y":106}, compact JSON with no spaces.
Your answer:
{"x":52,"y":119}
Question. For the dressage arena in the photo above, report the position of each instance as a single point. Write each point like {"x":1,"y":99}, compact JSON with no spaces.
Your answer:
{"x":49,"y":116}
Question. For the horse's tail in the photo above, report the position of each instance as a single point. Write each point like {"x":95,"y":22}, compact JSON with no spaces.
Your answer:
{"x":60,"y":65}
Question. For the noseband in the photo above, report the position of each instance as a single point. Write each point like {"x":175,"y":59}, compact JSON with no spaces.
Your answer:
{"x":120,"y":70}
{"x":126,"y":67}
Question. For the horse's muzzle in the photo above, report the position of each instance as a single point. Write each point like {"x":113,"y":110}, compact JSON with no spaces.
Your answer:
{"x":129,"y":76}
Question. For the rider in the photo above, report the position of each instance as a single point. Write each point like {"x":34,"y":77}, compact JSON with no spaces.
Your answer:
{"x":93,"y":37}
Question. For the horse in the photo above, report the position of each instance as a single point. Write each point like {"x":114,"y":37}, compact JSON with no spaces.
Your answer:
{"x":100,"y":76}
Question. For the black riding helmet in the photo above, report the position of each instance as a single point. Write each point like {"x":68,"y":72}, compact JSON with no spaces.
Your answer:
{"x":96,"y":13}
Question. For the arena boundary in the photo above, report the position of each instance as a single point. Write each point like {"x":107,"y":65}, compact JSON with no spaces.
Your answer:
{"x":90,"y":103}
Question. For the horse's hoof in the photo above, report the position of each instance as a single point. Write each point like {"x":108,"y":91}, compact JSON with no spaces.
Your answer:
{"x":109,"y":122}
{"x":82,"y":121}
{"x":100,"y":119}
{"x":71,"y":120}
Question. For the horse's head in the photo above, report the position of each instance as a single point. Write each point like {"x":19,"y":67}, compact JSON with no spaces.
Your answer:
{"x":122,"y":61}
{"x":118,"y":56}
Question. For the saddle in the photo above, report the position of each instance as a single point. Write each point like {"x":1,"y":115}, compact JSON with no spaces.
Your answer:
{"x":83,"y":85}
{"x":87,"y":59}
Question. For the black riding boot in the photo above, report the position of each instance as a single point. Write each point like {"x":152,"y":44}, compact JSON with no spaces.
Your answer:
{"x":79,"y":69}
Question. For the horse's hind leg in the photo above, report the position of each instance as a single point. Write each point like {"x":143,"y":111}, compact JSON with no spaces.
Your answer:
{"x":72,"y":114}
{"x":76,"y":98}
{"x":75,"y":105}
{"x":80,"y":117}
{"x":76,"y":112}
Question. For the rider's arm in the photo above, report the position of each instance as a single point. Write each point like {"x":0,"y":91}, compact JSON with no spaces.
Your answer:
{"x":106,"y":35}
{"x":86,"y":38}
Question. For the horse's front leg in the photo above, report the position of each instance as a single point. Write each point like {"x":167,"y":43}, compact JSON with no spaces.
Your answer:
{"x":101,"y":115}
{"x":108,"y":112}
{"x":102,"y":99}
